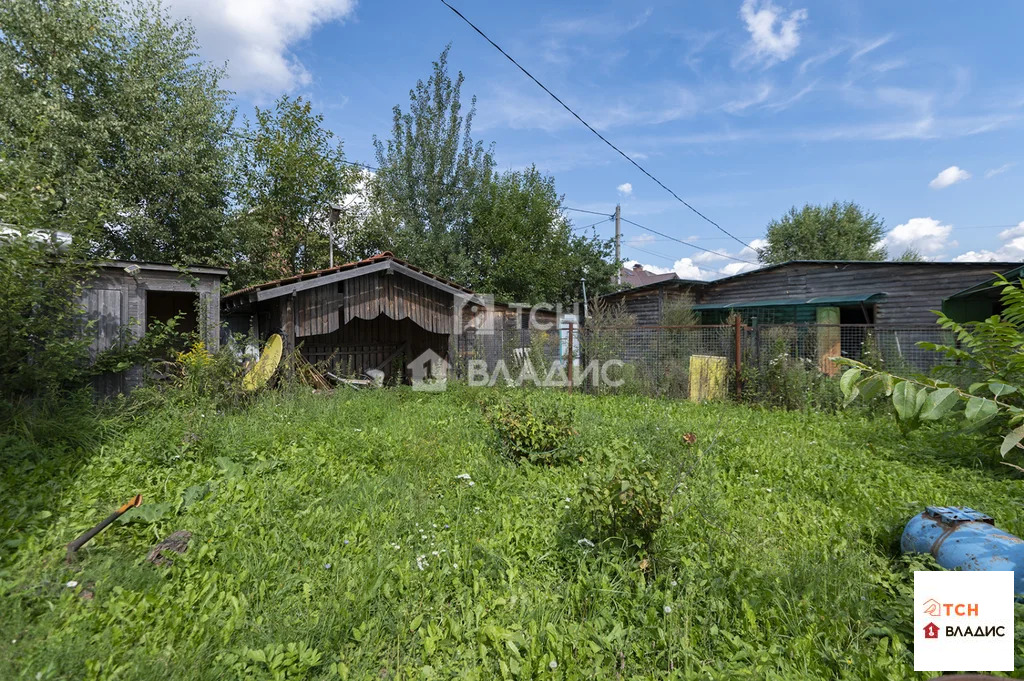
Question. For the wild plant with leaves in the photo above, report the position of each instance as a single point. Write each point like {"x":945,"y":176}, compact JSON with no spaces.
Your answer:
{"x":991,"y":350}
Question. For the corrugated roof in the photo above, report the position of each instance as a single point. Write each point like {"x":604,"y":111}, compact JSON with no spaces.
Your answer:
{"x":380,"y":257}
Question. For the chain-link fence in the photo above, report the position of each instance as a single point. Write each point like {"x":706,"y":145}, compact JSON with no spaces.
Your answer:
{"x":663,"y":360}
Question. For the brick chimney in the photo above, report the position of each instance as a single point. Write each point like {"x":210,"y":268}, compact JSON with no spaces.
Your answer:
{"x":638,"y":267}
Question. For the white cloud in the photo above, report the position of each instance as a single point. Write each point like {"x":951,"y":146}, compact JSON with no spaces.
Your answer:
{"x":639,"y":240}
{"x":1012,"y":233}
{"x":746,"y":253}
{"x":760,"y":94}
{"x":870,"y":46}
{"x":737,"y":267}
{"x":685,"y":268}
{"x":626,"y":189}
{"x":767,"y":42}
{"x":927,"y":236}
{"x":255,"y":37}
{"x":998,"y":171}
{"x":1012,"y":248}
{"x":949,"y":176}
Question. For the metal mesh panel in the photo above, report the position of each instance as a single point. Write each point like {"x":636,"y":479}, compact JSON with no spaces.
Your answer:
{"x":656,"y":360}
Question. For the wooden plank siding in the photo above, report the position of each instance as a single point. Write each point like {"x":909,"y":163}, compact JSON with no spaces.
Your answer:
{"x":363,"y":344}
{"x":912,"y":290}
{"x":116,"y":302}
{"x":398,"y":297}
{"x":647,"y":305}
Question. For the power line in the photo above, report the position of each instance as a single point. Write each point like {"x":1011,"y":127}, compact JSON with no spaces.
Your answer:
{"x":656,"y":255}
{"x":687,"y":243}
{"x":592,"y":212}
{"x":595,"y":224}
{"x":590,"y":127}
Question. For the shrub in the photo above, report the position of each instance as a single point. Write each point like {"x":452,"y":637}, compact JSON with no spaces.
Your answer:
{"x":987,"y":352}
{"x":789,"y":382}
{"x":621,"y":501}
{"x":42,"y":332}
{"x":534,"y":426}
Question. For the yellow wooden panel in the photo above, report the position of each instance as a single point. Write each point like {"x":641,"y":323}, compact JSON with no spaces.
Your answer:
{"x":708,"y":378}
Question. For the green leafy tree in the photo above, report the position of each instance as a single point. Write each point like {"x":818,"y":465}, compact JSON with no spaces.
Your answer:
{"x":42,"y":275}
{"x":288,"y":174}
{"x":430,"y":172}
{"x":437,"y":201}
{"x":838,"y":231}
{"x":909,"y":255}
{"x":108,"y":105}
{"x":520,"y":247}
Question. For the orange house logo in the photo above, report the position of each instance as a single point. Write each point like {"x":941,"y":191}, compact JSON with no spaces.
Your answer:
{"x":935,"y":609}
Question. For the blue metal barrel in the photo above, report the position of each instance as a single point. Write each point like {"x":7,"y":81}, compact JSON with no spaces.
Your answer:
{"x":965,"y":539}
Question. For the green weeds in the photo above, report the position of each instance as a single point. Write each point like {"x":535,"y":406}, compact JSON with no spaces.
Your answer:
{"x":338,"y":536}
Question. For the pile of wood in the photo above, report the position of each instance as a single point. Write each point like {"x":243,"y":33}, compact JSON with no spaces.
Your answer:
{"x":310,"y":375}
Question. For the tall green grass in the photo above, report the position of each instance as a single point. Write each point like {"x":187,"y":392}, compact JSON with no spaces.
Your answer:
{"x":334,"y":538}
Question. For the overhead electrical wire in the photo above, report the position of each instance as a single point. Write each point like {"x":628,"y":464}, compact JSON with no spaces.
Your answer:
{"x":644,"y":250}
{"x":687,"y":243}
{"x":592,"y":212}
{"x":594,"y":224}
{"x":591,"y":128}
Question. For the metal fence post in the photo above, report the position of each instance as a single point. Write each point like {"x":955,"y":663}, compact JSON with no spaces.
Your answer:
{"x":570,"y":357}
{"x":739,"y":360}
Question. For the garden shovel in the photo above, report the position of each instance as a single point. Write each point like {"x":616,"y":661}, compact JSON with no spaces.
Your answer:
{"x":135,"y":502}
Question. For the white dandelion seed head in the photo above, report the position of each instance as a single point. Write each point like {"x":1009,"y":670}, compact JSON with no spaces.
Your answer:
{"x":668,"y":609}
{"x":553,"y":665}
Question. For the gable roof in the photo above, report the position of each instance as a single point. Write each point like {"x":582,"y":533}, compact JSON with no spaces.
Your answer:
{"x":380,"y":262}
{"x":632,"y":276}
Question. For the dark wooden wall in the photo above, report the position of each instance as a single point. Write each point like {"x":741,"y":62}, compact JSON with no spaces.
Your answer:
{"x":398,"y":297}
{"x":912,"y":290}
{"x":363,"y":344}
{"x":648,"y":305}
{"x":115,"y":302}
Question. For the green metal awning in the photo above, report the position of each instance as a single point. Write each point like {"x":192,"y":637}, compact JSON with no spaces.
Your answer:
{"x":988,"y":284}
{"x":819,"y":301}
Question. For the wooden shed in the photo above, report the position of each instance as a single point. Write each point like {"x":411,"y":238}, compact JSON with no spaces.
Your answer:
{"x":860,"y":292}
{"x":378,"y":313}
{"x":126,"y":297}
{"x":850,"y":292}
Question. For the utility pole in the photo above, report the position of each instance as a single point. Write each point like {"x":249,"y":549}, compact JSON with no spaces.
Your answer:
{"x":618,"y":243}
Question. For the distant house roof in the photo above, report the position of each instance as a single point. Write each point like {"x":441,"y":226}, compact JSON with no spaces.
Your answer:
{"x":638,"y":276}
{"x":379,"y":262}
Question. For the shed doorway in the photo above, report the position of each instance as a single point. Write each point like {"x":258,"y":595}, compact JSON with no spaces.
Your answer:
{"x":163,"y":306}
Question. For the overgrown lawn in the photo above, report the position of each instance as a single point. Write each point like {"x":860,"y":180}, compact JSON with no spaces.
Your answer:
{"x":333,"y":537}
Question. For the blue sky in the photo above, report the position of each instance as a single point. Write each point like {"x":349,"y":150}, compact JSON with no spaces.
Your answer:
{"x":744,"y":107}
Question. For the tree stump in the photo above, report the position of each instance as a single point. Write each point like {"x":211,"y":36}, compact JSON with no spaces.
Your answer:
{"x":175,"y":543}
